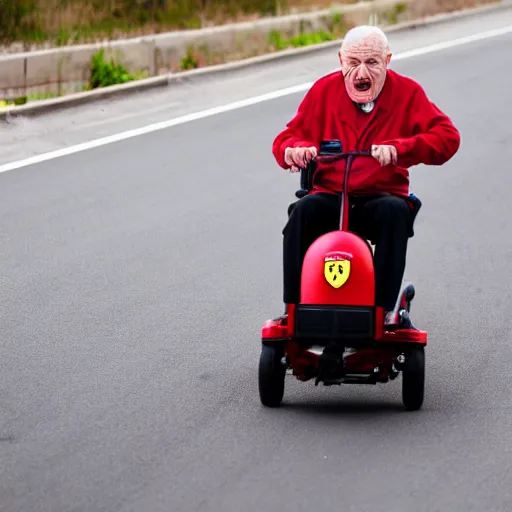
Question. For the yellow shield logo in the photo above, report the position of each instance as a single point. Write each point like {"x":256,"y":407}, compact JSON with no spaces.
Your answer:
{"x":337,"y":269}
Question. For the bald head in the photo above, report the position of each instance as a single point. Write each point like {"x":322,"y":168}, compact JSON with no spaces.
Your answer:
{"x":365,"y":33}
{"x":364,"y":58}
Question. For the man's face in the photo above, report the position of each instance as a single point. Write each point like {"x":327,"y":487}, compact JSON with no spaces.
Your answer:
{"x":364,"y":67}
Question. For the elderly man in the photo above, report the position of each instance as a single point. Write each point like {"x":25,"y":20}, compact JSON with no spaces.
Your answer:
{"x":366,"y":105}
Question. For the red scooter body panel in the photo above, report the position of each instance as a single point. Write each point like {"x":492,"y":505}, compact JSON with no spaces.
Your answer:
{"x":338,"y":269}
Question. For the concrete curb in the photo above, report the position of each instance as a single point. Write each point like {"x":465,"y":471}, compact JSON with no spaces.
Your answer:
{"x":44,"y":106}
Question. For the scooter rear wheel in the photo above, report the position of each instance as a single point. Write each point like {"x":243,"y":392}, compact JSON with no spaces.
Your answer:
{"x":413,"y":379}
{"x":271,"y":376}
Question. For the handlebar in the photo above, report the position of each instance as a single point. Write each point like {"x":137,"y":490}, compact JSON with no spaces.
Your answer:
{"x":340,"y":156}
{"x":306,"y":173}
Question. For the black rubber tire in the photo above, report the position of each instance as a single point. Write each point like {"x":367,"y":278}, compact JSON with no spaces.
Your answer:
{"x":413,"y":379}
{"x":271,"y":376}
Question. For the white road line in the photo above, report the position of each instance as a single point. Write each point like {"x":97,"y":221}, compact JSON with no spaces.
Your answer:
{"x":234,"y":106}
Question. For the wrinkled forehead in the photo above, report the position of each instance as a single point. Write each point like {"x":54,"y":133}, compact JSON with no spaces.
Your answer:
{"x":370,"y":46}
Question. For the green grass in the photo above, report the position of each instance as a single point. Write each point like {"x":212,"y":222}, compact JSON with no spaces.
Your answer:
{"x":105,"y":73}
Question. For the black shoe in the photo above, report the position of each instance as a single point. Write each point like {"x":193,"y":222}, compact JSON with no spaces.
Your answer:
{"x":405,"y":320}
{"x":400,"y":320}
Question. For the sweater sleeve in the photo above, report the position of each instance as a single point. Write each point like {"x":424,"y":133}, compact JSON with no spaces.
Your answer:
{"x":435,"y":139}
{"x":302,"y":130}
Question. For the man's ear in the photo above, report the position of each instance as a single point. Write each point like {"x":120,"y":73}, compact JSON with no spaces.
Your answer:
{"x":388,"y":58}
{"x":339,"y":57}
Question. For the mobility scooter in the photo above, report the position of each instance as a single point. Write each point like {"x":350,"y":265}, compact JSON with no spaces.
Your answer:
{"x":335,"y":334}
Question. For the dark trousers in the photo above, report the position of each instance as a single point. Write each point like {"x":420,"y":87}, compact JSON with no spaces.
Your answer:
{"x":385,"y":220}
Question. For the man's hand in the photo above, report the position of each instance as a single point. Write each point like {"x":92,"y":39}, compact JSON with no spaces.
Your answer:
{"x":385,"y":154}
{"x":299,"y":157}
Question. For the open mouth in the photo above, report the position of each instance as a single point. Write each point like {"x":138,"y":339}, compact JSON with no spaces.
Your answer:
{"x":363,"y":85}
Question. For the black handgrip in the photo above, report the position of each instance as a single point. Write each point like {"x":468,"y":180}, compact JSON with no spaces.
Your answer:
{"x":306,"y":179}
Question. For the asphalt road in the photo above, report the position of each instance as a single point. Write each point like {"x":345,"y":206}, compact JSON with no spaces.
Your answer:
{"x":135,"y":279}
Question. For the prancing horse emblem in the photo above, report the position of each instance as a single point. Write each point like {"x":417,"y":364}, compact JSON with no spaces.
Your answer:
{"x":337,"y":268}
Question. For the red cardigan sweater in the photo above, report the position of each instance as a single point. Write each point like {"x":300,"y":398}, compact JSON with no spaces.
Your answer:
{"x":403,"y":117}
